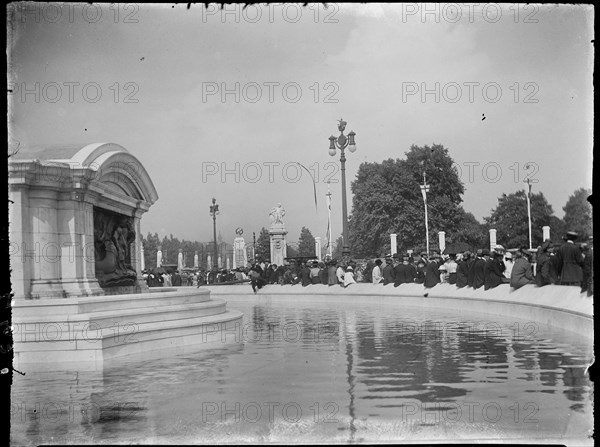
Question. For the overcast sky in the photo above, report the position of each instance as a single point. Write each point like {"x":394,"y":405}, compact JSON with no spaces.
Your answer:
{"x":505,"y":87}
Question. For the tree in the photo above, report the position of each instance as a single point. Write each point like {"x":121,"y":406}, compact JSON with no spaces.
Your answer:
{"x":292,"y":250}
{"x":470,"y":232}
{"x":263,"y":245}
{"x":306,"y":243}
{"x":337,"y":251}
{"x":578,"y":213}
{"x":510,"y":219}
{"x":387,"y":199}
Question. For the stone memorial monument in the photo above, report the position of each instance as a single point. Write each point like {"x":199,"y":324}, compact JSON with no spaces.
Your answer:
{"x":75,"y":247}
{"x":195,"y":259}
{"x":277,"y":234}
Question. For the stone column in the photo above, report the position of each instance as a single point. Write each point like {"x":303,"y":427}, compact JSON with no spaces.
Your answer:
{"x":46,"y":275}
{"x":318,"y":247}
{"x":492,"y":239}
{"x":393,"y":244}
{"x":545,"y":233}
{"x":208,"y":262}
{"x":442,"y":241}
{"x":76,"y":237}
{"x":21,"y":250}
{"x":195,"y":259}
{"x":142,"y":260}
{"x":227,"y":266}
{"x":180,"y":260}
{"x":158,"y":258}
{"x":219,"y":262}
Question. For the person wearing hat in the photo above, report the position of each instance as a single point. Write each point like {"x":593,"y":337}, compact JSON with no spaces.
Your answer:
{"x":443,"y":273}
{"x":388,"y":272}
{"x":314,"y":273}
{"x":339,"y":273}
{"x":432,"y":272}
{"x":522,"y":272}
{"x":495,"y":269}
{"x":570,"y":261}
{"x":508,"y":263}
{"x":587,"y":285}
{"x":462,"y":270}
{"x":349,"y":276}
{"x":305,"y":275}
{"x":376,"y":272}
{"x":544,"y":265}
{"x":451,"y":268}
{"x":331,"y":276}
{"x":478,"y":268}
{"x":405,"y":272}
{"x":420,"y":271}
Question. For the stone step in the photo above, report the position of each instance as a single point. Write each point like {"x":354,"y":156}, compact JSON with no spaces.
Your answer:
{"x":72,"y":306}
{"x":172,"y":336}
{"x":57,"y":328}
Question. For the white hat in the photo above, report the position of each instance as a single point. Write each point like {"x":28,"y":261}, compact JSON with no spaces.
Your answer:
{"x":499,"y":247}
{"x":442,"y":267}
{"x":508,"y":255}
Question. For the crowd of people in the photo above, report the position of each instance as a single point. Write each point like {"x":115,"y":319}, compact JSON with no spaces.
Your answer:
{"x":567,"y":264}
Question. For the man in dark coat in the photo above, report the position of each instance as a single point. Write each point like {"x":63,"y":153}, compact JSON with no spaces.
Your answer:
{"x":478,"y":267}
{"x":420,"y":271}
{"x":305,"y":275}
{"x":587,"y":285}
{"x":496,"y":267}
{"x":470,"y":268}
{"x":462,"y":271}
{"x":405,"y":272}
{"x":544,"y":264}
{"x":323,"y":273}
{"x":432,"y":272}
{"x":388,"y":272}
{"x":570,"y":261}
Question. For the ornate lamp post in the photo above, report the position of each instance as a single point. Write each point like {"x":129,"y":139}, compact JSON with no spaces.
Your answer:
{"x":424,"y":191}
{"x":214,"y":210}
{"x":342,"y":142}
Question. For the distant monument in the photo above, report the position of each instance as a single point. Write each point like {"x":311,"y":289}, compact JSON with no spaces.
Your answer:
{"x":195,"y":259}
{"x":277,"y":234}
{"x":240,"y":258}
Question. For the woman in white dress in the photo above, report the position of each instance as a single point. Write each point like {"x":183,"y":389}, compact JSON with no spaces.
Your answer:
{"x":349,"y":276}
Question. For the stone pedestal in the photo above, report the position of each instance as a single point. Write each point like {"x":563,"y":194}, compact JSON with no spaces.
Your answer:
{"x":240,"y":255}
{"x":442,"y":241}
{"x":318,"y":247}
{"x":158,"y":258}
{"x":393,"y":244}
{"x":195,"y":259}
{"x":545,"y":233}
{"x":492,"y":239}
{"x":142,"y":260}
{"x":180,"y":260}
{"x":277,"y":233}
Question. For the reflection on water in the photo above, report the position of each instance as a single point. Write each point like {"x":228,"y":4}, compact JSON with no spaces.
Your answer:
{"x":326,"y":372}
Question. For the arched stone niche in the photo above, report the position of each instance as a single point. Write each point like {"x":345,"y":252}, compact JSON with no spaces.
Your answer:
{"x":59,"y":194}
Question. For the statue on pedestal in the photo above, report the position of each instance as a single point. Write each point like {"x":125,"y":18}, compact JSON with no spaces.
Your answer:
{"x":276,"y":214}
{"x":277,"y":234}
